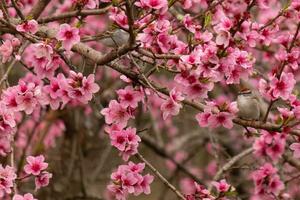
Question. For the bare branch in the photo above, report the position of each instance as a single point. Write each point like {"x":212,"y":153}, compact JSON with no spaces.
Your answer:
{"x":163,"y":179}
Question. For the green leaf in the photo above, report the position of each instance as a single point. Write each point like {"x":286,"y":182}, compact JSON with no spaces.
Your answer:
{"x":115,"y":2}
{"x":286,"y":6}
{"x":231,"y":193}
{"x":78,"y":24}
{"x":207,"y":19}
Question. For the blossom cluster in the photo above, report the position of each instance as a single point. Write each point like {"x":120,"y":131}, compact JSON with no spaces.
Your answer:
{"x":126,"y":141}
{"x":36,"y":166}
{"x":128,"y":179}
{"x":200,"y":192}
{"x":8,"y":47}
{"x":271,"y":144}
{"x":217,"y":113}
{"x":8,"y":177}
{"x":117,"y":116}
{"x":267,"y":181}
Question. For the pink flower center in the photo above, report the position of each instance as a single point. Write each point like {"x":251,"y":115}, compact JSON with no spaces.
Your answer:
{"x":197,"y":88}
{"x":121,"y":114}
{"x":35,"y":167}
{"x":12,"y":102}
{"x":27,"y":99}
{"x":221,"y":118}
{"x":280,"y":85}
{"x":128,"y":97}
{"x":191,"y":79}
{"x":154,"y":3}
{"x":191,"y":59}
{"x":55,"y":87}
{"x":170,"y":105}
{"x":241,"y":60}
{"x":120,"y":140}
{"x":68,"y":34}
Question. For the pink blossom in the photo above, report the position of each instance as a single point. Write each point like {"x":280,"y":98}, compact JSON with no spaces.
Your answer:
{"x":296,"y":148}
{"x":28,"y":96}
{"x":264,"y":4}
{"x":265,"y":89}
{"x":221,"y":186}
{"x":145,"y":184}
{"x":147,"y":37}
{"x":89,"y":87}
{"x":266,"y":181}
{"x":199,"y":90}
{"x":191,"y":59}
{"x":119,"y":140}
{"x":270,"y":144}
{"x":81,"y":88}
{"x":286,"y":113}
{"x":170,"y":107}
{"x":15,"y":42}
{"x":68,"y":35}
{"x":292,"y":59}
{"x":164,"y":42}
{"x":188,"y":23}
{"x":43,"y":50}
{"x":126,"y":141}
{"x":6,"y":50}
{"x":30,"y":26}
{"x":154,"y":4}
{"x":115,"y":113}
{"x":199,"y":192}
{"x":284,"y":86}
{"x":7,"y":121}
{"x":54,"y":89}
{"x":7,"y":178}
{"x":268,"y":34}
{"x":176,"y":95}
{"x":217,"y":113}
{"x":202,"y":118}
{"x":221,"y":118}
{"x":90,"y":4}
{"x":27,"y":196}
{"x":129,"y":97}
{"x":27,"y":102}
{"x":138,"y":168}
{"x":223,"y":38}
{"x":127,"y":180}
{"x":35,"y":165}
{"x":162,"y":25}
{"x":42,"y":180}
{"x":119,"y":16}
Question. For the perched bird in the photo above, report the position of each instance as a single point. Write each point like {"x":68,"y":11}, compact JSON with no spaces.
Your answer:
{"x":248,"y":105}
{"x":118,"y":38}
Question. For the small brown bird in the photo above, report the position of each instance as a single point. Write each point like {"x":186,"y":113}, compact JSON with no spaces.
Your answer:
{"x":248,"y":105}
{"x":118,"y":38}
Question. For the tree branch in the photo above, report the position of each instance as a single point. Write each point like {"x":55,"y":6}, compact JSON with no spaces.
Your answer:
{"x":82,"y":13}
{"x":163,"y":179}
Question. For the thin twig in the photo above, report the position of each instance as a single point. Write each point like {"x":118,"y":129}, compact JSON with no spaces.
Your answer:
{"x":82,"y":13}
{"x":231,"y":162}
{"x":19,"y":12}
{"x":161,"y":177}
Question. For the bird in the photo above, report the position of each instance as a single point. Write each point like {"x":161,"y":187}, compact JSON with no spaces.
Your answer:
{"x":249,"y":98}
{"x":249,"y":105}
{"x":118,"y":38}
